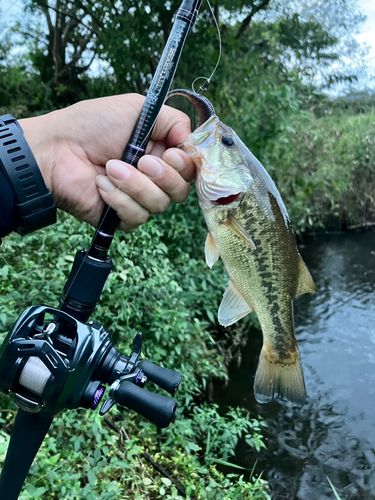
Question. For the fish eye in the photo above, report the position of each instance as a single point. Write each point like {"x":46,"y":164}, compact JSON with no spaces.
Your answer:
{"x":227,"y":140}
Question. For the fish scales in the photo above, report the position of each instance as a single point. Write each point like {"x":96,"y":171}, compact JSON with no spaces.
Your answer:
{"x":249,"y":229}
{"x":267,"y":278}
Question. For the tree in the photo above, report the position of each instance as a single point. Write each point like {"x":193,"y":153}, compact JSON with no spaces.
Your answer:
{"x":266,"y":43}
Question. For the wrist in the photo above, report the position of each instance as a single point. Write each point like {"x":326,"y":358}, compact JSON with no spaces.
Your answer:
{"x":34,"y":203}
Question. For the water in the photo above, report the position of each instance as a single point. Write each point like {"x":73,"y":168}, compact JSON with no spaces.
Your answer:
{"x":334,"y":433}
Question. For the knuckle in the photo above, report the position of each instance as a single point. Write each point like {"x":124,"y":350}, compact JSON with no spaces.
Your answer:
{"x":182,"y":195}
{"x":162,"y":205}
{"x":137,"y":189}
{"x":134,"y":222}
{"x":131,"y":213}
{"x":142,"y":217}
{"x":185,"y":194}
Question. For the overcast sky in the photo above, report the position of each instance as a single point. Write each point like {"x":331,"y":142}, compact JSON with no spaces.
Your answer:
{"x":8,"y":8}
{"x":367,"y":34}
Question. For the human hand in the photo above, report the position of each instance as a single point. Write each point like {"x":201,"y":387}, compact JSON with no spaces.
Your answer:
{"x":73,"y":147}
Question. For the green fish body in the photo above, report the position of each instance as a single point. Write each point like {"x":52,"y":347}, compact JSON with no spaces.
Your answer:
{"x":249,"y":229}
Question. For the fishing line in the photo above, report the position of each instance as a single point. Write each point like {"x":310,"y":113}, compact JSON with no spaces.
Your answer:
{"x":121,"y":184}
{"x":207,"y":81}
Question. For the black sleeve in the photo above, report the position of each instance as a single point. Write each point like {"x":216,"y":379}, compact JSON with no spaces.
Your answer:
{"x":8,"y":215}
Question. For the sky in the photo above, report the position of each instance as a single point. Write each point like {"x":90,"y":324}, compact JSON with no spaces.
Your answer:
{"x":9,"y":8}
{"x":366,"y":36}
{"x":367,"y":33}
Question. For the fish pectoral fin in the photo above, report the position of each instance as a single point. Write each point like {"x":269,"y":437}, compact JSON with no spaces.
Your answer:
{"x":233,"y":307}
{"x":239,"y":230}
{"x":211,"y":251}
{"x":305,"y":281}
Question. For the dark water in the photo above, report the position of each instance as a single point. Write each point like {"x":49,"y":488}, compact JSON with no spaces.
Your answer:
{"x":334,"y":433}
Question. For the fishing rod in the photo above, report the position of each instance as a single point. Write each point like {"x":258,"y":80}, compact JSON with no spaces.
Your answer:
{"x":92,"y":267}
{"x":54,"y":359}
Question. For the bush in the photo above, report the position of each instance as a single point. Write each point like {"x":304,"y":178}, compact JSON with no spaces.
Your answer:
{"x":324,"y":169}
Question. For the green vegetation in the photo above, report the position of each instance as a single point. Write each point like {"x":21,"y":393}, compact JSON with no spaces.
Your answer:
{"x":320,"y":153}
{"x":162,"y":287}
{"x":324,"y":168}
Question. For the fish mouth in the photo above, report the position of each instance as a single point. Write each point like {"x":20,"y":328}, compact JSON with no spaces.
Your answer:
{"x":226,"y":200}
{"x":206,"y":130}
{"x":201,"y":138}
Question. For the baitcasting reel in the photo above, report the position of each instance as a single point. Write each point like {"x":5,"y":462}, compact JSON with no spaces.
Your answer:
{"x":51,"y":362}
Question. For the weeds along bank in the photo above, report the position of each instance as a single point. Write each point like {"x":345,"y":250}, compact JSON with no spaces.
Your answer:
{"x":325,"y":171}
{"x":162,"y":287}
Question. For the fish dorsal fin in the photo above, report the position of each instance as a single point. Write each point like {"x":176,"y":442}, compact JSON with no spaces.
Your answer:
{"x":305,"y":281}
{"x":239,"y":230}
{"x":210,"y":250}
{"x":233,"y":306}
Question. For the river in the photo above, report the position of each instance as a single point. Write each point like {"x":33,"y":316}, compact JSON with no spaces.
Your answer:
{"x":333,"y":434}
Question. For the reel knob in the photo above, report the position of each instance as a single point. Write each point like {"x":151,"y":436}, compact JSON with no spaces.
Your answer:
{"x":167,"y":379}
{"x":158,"y":409}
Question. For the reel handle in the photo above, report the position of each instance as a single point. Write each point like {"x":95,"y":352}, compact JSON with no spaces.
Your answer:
{"x":167,"y":379}
{"x":158,"y":409}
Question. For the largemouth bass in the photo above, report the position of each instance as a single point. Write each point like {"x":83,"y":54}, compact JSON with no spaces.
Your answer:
{"x":250,"y":230}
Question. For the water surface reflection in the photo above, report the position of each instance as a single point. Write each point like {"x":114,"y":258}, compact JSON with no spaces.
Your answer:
{"x":334,"y":433}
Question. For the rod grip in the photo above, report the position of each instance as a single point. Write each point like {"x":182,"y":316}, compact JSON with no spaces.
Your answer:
{"x":167,"y":379}
{"x":158,"y":409}
{"x":27,"y":435}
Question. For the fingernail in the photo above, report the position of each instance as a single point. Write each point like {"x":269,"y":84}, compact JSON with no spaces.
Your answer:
{"x":117,"y":169}
{"x":174,"y":160}
{"x":104,"y":183}
{"x":151,"y":166}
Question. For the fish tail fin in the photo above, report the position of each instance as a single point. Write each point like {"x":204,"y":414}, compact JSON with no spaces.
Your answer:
{"x":279,"y":378}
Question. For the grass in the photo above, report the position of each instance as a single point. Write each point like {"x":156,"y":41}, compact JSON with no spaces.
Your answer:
{"x":333,"y":489}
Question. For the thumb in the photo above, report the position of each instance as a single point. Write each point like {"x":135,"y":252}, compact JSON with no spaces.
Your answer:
{"x":172,"y":127}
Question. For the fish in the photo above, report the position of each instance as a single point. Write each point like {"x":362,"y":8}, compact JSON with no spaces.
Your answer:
{"x":250,"y":230}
